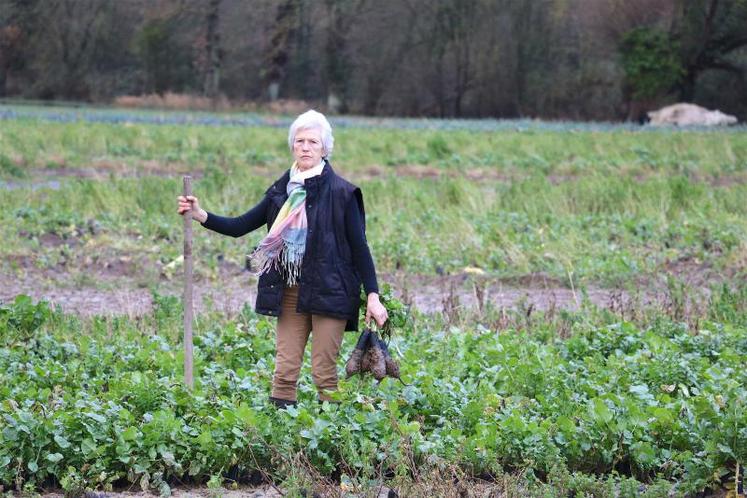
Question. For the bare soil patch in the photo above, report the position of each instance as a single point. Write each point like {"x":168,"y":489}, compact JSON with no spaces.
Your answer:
{"x":124,"y":285}
{"x":204,"y":492}
{"x":53,"y":177}
{"x":420,"y":171}
{"x":118,"y":286}
{"x":538,"y":292}
{"x":101,"y":170}
{"x":240,"y":492}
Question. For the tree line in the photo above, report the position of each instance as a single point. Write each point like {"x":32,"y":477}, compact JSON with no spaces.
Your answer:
{"x":555,"y":59}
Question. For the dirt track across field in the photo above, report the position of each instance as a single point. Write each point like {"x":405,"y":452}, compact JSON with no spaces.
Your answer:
{"x":204,"y":492}
{"x":114,"y":290}
{"x":196,"y":492}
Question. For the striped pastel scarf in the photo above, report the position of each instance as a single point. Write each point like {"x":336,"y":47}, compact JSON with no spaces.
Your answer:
{"x":284,"y":245}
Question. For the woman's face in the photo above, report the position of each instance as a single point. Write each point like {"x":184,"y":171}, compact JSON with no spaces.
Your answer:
{"x":308,"y":148}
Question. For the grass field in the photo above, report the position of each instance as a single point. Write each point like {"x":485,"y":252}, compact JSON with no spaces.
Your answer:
{"x":634,"y":398}
{"x":604,"y":207}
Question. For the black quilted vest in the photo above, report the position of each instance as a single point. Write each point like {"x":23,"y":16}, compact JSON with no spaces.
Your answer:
{"x":329,"y":284}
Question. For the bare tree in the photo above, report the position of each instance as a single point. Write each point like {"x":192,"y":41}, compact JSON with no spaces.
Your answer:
{"x":612,"y":19}
{"x":11,"y":52}
{"x":341,"y":17}
{"x":381,"y":43}
{"x":213,"y":51}
{"x":64,"y":48}
{"x":446,"y":36}
{"x":710,"y":31}
{"x":279,"y":50}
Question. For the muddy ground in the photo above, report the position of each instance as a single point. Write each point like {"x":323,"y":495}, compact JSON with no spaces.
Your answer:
{"x":204,"y":492}
{"x":116,"y":285}
{"x":54,"y":177}
{"x":122,"y":287}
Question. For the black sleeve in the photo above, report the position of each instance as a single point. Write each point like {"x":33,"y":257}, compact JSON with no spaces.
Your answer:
{"x":362,"y":259}
{"x":240,"y":225}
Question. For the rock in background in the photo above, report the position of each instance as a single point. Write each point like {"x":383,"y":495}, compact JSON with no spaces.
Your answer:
{"x":689,"y":115}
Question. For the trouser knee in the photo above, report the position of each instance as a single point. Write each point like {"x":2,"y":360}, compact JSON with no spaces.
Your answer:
{"x":325,"y":378}
{"x":285,"y":381}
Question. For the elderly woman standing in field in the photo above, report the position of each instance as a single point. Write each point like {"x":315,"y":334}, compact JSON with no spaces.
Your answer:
{"x":312,"y":261}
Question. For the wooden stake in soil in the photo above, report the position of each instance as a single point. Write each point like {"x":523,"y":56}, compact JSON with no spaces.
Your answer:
{"x":188,"y":380}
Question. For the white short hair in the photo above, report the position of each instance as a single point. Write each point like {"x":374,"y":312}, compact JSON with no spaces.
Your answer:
{"x":313,"y":120}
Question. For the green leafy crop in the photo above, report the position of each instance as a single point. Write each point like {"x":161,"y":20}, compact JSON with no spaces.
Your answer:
{"x":100,"y":404}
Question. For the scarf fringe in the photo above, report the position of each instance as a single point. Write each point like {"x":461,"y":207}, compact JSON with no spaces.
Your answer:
{"x":287,"y":260}
{"x":284,"y":247}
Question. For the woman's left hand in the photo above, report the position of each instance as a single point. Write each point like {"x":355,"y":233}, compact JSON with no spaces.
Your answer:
{"x":375,"y":309}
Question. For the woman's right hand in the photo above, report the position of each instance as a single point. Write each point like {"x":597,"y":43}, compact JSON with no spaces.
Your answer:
{"x":190,"y":203}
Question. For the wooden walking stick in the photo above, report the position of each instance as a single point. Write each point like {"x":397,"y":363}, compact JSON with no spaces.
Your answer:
{"x":188,"y":380}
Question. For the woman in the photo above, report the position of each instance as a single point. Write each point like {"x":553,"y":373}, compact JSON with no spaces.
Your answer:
{"x":312,"y":262}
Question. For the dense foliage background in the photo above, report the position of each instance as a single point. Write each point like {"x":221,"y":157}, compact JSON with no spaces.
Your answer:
{"x":572,"y":59}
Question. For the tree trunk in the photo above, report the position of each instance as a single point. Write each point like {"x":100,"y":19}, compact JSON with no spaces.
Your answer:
{"x":337,"y":70}
{"x":277,"y":55}
{"x":687,"y":87}
{"x":213,"y":51}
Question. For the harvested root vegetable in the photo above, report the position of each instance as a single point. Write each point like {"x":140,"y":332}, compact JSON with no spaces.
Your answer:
{"x":353,"y":366}
{"x":371,"y":354}
{"x":366,"y":361}
{"x":377,"y":358}
{"x":392,"y":367}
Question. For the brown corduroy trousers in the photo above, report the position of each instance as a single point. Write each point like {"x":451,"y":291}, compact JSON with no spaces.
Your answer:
{"x":293,"y":330}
